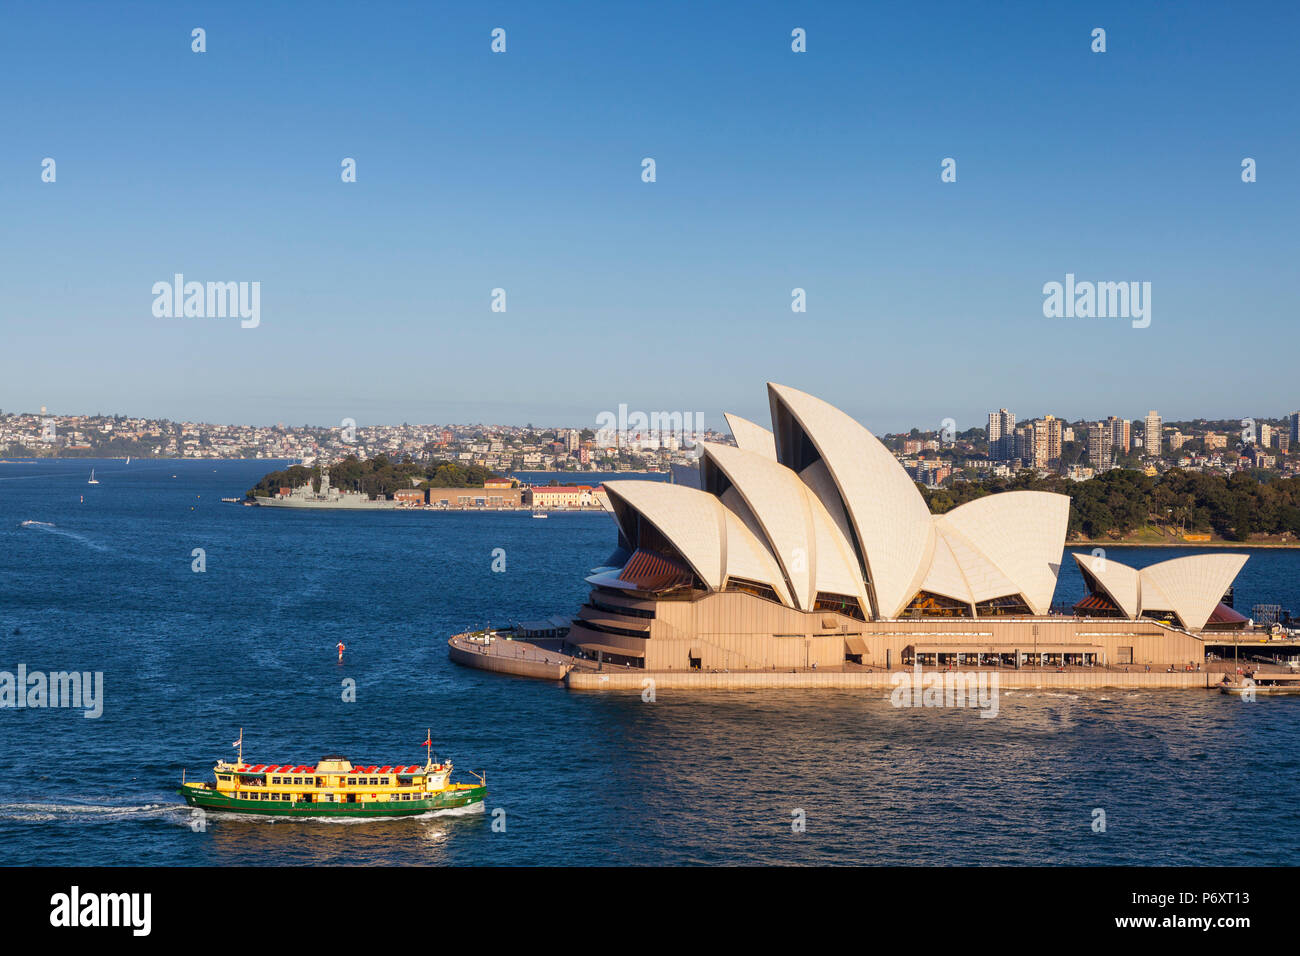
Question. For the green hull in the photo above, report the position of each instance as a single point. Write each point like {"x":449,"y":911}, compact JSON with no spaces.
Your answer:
{"x":447,"y":800}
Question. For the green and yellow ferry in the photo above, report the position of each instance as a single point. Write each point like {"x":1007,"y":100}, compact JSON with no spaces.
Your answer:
{"x":333,"y":787}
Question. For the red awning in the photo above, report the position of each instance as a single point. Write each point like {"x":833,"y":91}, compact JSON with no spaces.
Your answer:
{"x":1095,"y":602}
{"x":385,"y":769}
{"x":647,"y":571}
{"x":258,"y":769}
{"x":1226,"y":615}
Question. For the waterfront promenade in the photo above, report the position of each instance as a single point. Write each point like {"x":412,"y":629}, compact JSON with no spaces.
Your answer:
{"x":546,"y":660}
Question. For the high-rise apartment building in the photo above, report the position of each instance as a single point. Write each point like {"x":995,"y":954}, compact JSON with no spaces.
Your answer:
{"x":1121,"y":438}
{"x":1043,"y":443}
{"x":1152,"y":434}
{"x":1002,"y":435}
{"x":1099,"y":445}
{"x":1023,"y":447}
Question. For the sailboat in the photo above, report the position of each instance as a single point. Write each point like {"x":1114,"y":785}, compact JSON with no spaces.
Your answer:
{"x":93,"y":480}
{"x":128,"y":459}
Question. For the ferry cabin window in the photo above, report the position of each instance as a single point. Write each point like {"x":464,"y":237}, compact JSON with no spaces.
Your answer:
{"x":275,"y":779}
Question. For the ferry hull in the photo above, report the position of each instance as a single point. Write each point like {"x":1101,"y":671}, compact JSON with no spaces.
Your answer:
{"x":443,"y":800}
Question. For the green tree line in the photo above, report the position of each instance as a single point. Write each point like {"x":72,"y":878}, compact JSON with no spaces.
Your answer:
{"x":376,"y":477}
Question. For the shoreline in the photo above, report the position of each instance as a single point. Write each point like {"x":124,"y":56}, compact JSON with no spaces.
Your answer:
{"x":635,"y":681}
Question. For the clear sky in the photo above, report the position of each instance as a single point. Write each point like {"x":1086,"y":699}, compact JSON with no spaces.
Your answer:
{"x":522,"y":171}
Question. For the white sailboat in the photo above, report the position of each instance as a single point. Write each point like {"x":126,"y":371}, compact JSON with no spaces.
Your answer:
{"x":93,"y":480}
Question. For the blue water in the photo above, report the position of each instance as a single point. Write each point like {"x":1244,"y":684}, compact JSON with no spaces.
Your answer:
{"x":189,"y":658}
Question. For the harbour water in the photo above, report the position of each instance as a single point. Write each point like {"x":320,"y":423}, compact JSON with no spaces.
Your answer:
{"x":108,"y":584}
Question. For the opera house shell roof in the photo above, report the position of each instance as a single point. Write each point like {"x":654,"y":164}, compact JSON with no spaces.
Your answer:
{"x":816,"y":513}
{"x":1187,"y":588}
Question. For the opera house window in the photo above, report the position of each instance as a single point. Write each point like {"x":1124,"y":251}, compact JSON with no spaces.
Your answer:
{"x":926,"y":604}
{"x":1011,"y":605}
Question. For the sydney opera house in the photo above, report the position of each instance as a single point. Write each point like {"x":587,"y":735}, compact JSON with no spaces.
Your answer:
{"x":809,"y":546}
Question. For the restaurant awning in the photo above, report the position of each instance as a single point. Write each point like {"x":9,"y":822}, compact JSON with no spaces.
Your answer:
{"x":855,"y":644}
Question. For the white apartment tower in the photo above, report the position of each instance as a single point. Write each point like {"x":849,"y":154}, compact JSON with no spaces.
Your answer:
{"x":1002,"y":434}
{"x":1151,"y":434}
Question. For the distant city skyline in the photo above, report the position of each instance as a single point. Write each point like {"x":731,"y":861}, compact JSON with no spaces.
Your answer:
{"x":1290,"y":420}
{"x":777,"y":172}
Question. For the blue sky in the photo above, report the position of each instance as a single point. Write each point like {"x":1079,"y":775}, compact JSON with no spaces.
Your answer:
{"x":522,"y":171}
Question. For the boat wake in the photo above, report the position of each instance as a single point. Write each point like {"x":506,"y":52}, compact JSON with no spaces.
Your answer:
{"x":82,"y":812}
{"x":72,"y":535}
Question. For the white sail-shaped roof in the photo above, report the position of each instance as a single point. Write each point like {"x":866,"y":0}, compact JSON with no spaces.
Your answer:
{"x":1023,"y":534}
{"x":945,"y":576}
{"x":693,"y":520}
{"x":888,"y":514}
{"x":1191,"y":586}
{"x":748,"y":557}
{"x":983,"y":579}
{"x":779,"y":500}
{"x":751,"y":437}
{"x":818,"y":505}
{"x":1119,"y":581}
{"x":838,"y":571}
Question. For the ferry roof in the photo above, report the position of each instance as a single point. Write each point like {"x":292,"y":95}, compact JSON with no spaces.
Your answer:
{"x":308,"y":768}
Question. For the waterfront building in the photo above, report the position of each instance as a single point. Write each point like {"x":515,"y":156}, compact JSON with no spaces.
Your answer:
{"x":566,"y":496}
{"x":495,"y":493}
{"x":809,"y":545}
